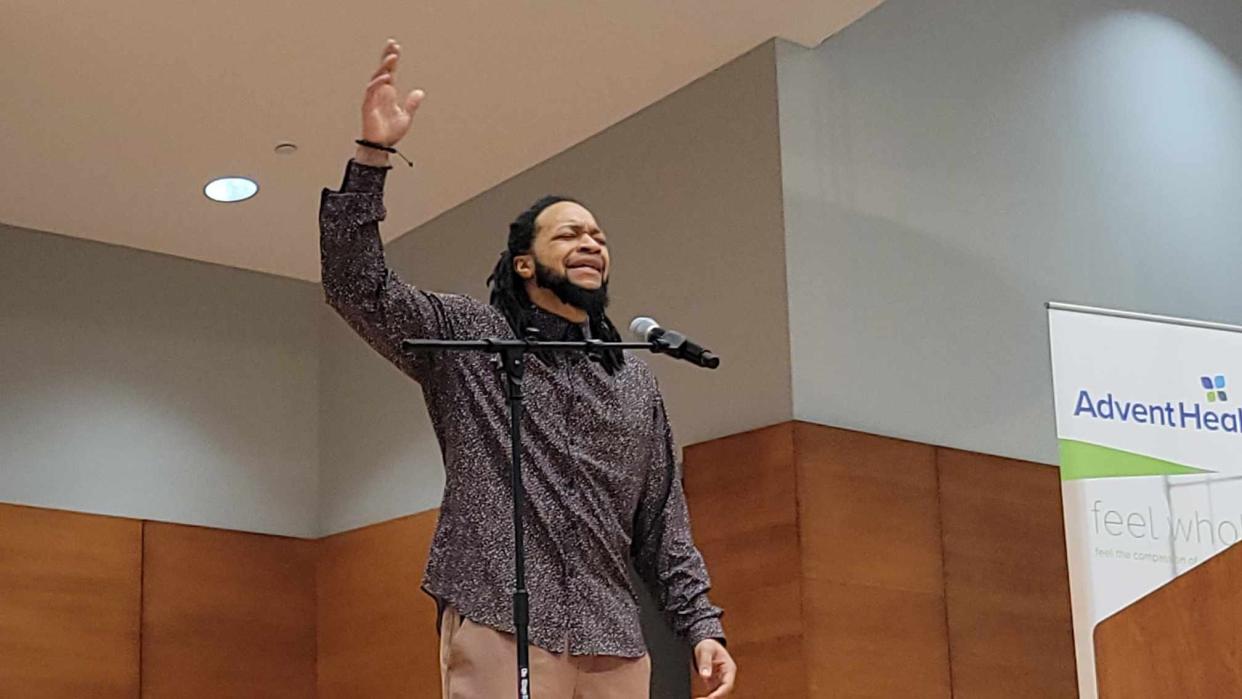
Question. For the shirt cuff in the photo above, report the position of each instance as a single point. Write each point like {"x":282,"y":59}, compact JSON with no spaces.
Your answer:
{"x":705,"y":629}
{"x":364,"y":178}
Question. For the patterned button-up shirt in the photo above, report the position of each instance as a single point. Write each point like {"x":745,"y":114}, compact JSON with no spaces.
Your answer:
{"x":601,"y":484}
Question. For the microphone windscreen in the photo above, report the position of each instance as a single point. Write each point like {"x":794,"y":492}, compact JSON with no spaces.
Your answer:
{"x":642,"y":326}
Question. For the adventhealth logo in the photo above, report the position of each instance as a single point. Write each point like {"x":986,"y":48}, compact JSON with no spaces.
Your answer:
{"x":1180,"y":415}
{"x":1215,"y":388}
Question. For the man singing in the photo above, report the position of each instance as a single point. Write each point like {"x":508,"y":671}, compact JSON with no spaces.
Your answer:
{"x":600,"y":481}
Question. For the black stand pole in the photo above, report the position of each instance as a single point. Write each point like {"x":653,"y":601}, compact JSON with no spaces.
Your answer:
{"x":513,"y":364}
{"x":512,"y":360}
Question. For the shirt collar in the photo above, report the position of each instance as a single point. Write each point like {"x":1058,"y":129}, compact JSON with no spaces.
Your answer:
{"x":554,"y":328}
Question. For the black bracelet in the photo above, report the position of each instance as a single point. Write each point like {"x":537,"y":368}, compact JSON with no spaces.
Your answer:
{"x":381,"y":146}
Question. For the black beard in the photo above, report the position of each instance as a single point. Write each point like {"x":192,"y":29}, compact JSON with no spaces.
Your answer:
{"x":592,"y":301}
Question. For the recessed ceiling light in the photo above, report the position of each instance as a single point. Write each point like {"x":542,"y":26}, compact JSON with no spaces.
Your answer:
{"x":286,"y":148}
{"x":231,"y":189}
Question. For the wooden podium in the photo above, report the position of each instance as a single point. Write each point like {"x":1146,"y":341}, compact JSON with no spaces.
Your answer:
{"x":1184,"y":640}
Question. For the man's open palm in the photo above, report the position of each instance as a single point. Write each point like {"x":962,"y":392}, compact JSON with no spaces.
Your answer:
{"x":385,"y":118}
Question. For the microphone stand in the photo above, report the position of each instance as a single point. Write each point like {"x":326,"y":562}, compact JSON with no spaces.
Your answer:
{"x":511,"y":356}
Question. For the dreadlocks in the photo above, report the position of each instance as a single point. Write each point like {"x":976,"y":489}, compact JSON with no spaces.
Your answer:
{"x":509,"y":295}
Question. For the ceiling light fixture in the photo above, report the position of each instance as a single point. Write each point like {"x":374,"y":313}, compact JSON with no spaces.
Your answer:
{"x":231,"y":189}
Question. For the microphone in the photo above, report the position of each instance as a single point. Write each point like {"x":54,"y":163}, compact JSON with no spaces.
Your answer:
{"x":672,"y":343}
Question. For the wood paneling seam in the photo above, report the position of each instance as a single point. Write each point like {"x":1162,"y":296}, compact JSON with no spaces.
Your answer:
{"x":944,"y":569}
{"x":142,"y":592}
{"x":802,"y":586}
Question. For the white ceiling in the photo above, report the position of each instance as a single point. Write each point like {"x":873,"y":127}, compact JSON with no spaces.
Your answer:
{"x":115,"y":114}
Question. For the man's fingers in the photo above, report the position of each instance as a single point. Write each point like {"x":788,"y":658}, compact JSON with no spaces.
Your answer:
{"x":391,"y":46}
{"x":728,"y":672}
{"x":415,"y":98}
{"x":730,"y":676}
{"x":382,"y":79}
{"x":703,"y":661}
{"x":387,"y":65}
{"x":724,"y":687}
{"x":391,"y":51}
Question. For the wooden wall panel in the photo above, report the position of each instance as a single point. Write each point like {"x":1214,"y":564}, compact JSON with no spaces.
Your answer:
{"x":1182,"y":640}
{"x":742,"y":495}
{"x":873,"y":586}
{"x":69,"y":604}
{"x":377,"y":635}
{"x":849,"y":565}
{"x":227,"y":614}
{"x":1006,"y":581}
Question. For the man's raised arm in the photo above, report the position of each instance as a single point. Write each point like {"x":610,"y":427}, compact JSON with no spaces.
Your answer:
{"x":356,"y":280}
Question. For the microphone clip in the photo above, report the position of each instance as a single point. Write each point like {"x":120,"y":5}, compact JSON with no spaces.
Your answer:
{"x":676,"y":345}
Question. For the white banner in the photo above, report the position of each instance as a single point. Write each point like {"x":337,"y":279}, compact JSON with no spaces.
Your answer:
{"x":1149,"y":418}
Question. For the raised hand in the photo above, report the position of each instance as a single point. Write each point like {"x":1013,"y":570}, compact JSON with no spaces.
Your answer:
{"x":385,"y":118}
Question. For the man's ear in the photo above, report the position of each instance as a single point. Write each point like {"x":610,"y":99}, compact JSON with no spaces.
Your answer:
{"x":524,"y":265}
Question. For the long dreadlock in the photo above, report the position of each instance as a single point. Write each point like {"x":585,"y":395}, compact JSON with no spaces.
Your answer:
{"x":509,"y":295}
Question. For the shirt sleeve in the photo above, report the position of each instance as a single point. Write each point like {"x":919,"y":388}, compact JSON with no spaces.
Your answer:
{"x":373,"y":299}
{"x":665,"y":554}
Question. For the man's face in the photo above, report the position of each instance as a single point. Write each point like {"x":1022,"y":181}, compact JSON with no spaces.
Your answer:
{"x":569,"y":244}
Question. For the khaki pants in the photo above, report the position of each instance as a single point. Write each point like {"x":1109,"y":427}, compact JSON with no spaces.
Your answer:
{"x":477,"y":662}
